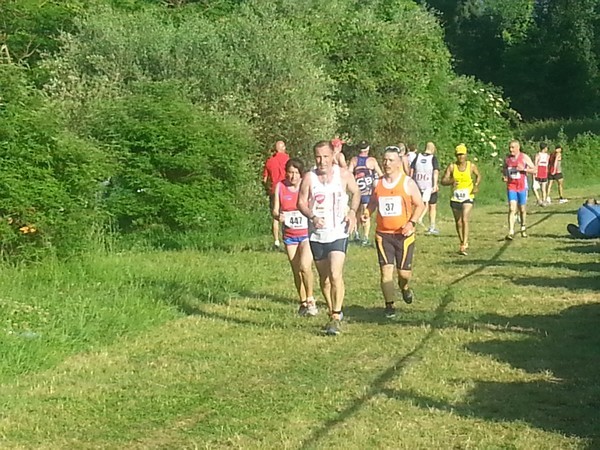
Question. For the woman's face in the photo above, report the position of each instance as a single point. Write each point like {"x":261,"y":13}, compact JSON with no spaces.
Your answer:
{"x":293,"y":175}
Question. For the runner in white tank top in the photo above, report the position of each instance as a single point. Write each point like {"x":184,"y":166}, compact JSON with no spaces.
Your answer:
{"x":323,"y":199}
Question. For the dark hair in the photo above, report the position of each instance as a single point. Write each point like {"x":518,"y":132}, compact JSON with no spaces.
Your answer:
{"x":295,"y":162}
{"x":322,"y":144}
{"x":543,"y":145}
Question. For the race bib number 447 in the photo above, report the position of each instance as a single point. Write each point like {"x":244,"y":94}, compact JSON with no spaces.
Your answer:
{"x":295,"y":220}
{"x":390,"y":206}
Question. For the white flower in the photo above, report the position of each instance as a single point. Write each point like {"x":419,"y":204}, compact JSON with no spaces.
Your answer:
{"x":475,"y":124}
{"x":493,"y":155}
{"x":493,"y":145}
{"x":475,"y":158}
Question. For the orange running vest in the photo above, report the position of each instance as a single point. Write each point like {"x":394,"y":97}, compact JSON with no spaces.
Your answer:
{"x":394,"y":205}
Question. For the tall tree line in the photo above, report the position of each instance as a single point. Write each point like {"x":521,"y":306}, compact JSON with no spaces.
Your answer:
{"x":544,"y":53}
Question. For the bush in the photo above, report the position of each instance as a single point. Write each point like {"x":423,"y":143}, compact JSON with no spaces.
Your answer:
{"x":259,"y":68}
{"x":178,"y":168}
{"x":49,"y":177}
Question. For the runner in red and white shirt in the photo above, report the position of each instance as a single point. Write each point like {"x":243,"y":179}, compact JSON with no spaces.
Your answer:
{"x":295,"y":234}
{"x":514,"y":173}
{"x":541,"y":161}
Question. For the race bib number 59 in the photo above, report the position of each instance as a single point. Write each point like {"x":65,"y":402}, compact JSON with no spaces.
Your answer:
{"x":390,"y":206}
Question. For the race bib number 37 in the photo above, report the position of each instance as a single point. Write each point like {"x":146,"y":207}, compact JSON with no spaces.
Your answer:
{"x":390,"y":206}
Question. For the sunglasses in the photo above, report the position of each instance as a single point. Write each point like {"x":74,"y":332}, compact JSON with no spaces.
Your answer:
{"x":392,"y":148}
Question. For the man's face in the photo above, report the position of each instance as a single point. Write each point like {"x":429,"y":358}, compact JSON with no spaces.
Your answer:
{"x":323,"y":158}
{"x":514,"y":148}
{"x":391,"y":163}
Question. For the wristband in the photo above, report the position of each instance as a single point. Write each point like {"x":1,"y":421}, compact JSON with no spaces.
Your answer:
{"x":414,"y":224}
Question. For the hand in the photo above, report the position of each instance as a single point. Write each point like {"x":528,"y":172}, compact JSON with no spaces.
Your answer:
{"x":318,"y":222}
{"x":475,"y":189}
{"x":505,"y":179}
{"x":350,"y":220}
{"x":366,"y":215}
{"x":521,"y":168}
{"x":408,"y":229}
{"x":436,"y":188}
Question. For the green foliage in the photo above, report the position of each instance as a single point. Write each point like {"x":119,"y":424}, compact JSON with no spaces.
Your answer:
{"x":545,"y":54}
{"x":179,"y":168}
{"x":580,"y":159}
{"x":49,"y":177}
{"x":256,"y":67}
{"x":485,"y":119}
{"x":30,"y":28}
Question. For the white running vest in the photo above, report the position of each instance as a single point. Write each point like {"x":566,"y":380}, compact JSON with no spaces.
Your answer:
{"x":329,"y":201}
{"x":424,"y":172}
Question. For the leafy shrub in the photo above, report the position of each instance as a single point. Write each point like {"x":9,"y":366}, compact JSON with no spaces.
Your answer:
{"x":49,"y":177}
{"x":178,"y":168}
{"x":484,"y":120}
{"x":259,"y":68}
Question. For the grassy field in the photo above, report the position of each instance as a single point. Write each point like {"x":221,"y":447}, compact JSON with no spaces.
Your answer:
{"x":204,"y":350}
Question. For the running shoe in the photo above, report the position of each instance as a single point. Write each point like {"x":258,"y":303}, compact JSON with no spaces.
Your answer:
{"x":303,"y":310}
{"x":548,"y":201}
{"x":524,"y":232}
{"x":433,"y":231}
{"x":390,"y":311}
{"x":311,"y":309}
{"x":276,"y":245}
{"x":333,"y":328}
{"x":407,"y":296}
{"x":510,"y":236}
{"x":563,"y":200}
{"x":463,"y":250}
{"x":365,"y":243}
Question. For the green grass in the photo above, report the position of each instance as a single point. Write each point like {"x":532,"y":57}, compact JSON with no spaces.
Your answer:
{"x":186,"y":349}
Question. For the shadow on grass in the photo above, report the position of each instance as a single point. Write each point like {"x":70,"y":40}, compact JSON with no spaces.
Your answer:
{"x":591,"y":282}
{"x":563,"y":349}
{"x":377,"y":387}
{"x":566,"y":346}
{"x":589,"y":248}
{"x":437,"y":322}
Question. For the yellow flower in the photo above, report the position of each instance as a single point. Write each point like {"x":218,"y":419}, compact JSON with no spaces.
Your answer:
{"x":24,"y":229}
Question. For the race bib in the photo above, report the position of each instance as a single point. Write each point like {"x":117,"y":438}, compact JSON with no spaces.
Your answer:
{"x":295,"y":220}
{"x":461,"y":195}
{"x":514,"y":174}
{"x":390,"y":206}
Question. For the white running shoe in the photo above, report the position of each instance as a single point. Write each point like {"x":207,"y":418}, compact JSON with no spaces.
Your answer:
{"x":311,"y":309}
{"x":563,"y":200}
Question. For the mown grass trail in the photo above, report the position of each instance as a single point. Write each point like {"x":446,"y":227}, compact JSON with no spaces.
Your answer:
{"x":191,"y":350}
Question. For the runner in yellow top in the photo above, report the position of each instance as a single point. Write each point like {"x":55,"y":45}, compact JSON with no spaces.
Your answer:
{"x":460,"y":176}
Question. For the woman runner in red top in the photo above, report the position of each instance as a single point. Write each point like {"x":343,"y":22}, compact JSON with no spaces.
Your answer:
{"x":295,"y":234}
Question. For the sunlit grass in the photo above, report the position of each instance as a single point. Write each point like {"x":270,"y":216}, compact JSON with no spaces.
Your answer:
{"x":188,"y":349}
